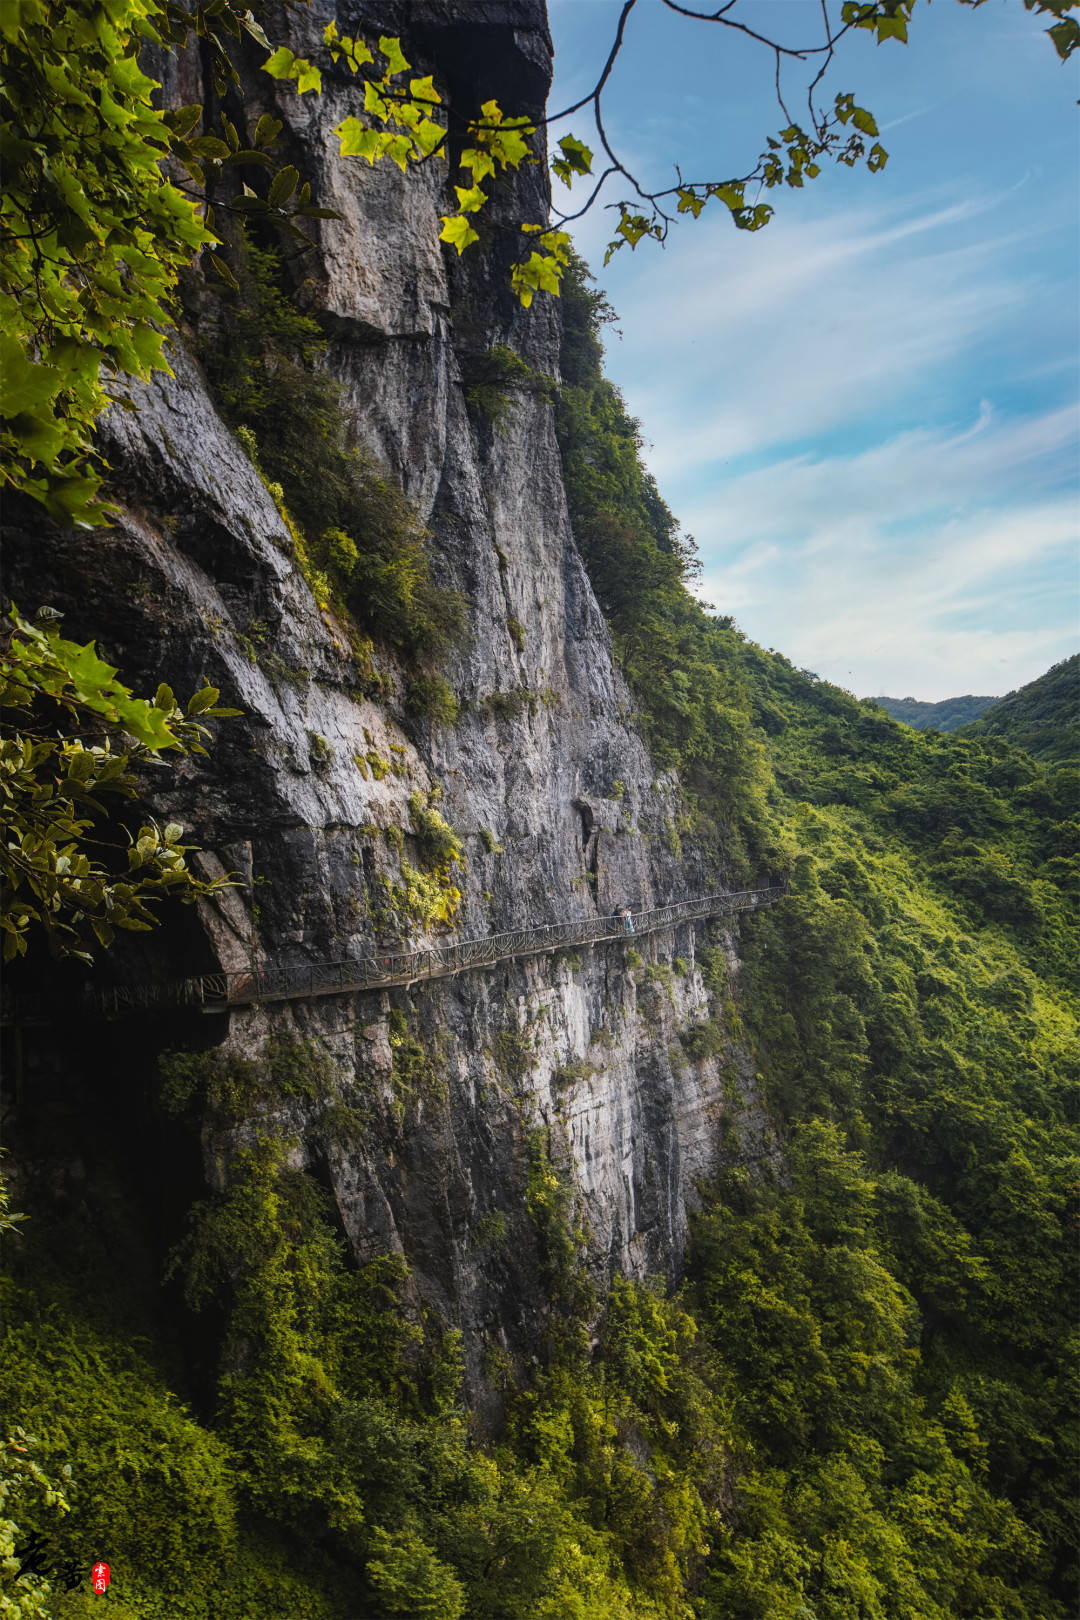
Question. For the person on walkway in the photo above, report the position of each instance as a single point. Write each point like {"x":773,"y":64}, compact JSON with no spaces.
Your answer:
{"x":628,"y":921}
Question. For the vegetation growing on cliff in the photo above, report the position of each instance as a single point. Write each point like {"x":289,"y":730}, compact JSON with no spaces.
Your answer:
{"x":860,"y":1405}
{"x":358,"y":539}
{"x":72,"y":734}
{"x":334,"y":1462}
{"x":890,"y":1310}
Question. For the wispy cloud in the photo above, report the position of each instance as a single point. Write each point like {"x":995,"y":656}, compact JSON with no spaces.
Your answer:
{"x":903,"y":595}
{"x":862,"y":412}
{"x":831,"y":415}
{"x":806,"y":328}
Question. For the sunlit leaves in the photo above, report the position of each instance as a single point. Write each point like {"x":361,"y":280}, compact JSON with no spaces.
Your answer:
{"x":458,"y":232}
{"x":886,"y":19}
{"x":284,"y":65}
{"x":631,"y":228}
{"x":395,"y":59}
{"x":397,"y":124}
{"x":690,"y":201}
{"x":542,"y":270}
{"x":90,"y":237}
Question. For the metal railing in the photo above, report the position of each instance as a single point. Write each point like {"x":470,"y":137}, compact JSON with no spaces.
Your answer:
{"x":212,"y":992}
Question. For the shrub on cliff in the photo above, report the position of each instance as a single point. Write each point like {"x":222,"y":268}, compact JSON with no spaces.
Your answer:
{"x":70,"y":735}
{"x":263,"y":359}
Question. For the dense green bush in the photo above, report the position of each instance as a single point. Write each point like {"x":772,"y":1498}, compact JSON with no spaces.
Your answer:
{"x":491,"y":378}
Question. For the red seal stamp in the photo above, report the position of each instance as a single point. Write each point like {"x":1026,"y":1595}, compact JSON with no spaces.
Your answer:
{"x":100,"y":1577}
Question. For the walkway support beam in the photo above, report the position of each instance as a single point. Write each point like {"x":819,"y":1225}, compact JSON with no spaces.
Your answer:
{"x":219,"y":992}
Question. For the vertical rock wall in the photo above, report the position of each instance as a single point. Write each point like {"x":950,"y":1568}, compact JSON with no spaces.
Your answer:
{"x":544,"y":778}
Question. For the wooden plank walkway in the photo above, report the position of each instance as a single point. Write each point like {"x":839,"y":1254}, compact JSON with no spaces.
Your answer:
{"x":220,"y":992}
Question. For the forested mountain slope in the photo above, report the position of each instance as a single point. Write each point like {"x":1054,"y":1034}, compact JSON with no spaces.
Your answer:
{"x":885,"y":1305}
{"x":1043,"y":717}
{"x":944,"y":716}
{"x":721,"y":1275}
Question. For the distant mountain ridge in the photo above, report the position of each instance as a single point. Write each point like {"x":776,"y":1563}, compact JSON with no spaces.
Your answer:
{"x":1043,"y":717}
{"x":948,"y":715}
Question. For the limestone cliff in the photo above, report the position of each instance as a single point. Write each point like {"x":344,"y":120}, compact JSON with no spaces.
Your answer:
{"x":544,"y":777}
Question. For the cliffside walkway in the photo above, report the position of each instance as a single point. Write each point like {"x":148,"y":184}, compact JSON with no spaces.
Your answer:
{"x":220,"y":992}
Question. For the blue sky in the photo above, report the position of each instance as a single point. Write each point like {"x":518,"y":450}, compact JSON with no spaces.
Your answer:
{"x":867,"y":413}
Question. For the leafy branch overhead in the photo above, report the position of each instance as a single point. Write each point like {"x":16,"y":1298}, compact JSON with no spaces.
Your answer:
{"x":106,"y":197}
{"x":72,"y":734}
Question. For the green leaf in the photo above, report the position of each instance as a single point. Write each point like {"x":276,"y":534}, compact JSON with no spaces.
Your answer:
{"x":147,"y":342}
{"x":458,"y":232}
{"x":40,"y":437}
{"x":357,"y":139}
{"x":209,"y":146}
{"x":469,"y":201}
{"x":391,"y":49}
{"x":732,"y":194}
{"x":255,"y":29}
{"x":576,"y":154}
{"x":223,"y":270}
{"x":864,"y":121}
{"x":1066,"y":37}
{"x":267,"y":131}
{"x":424,"y":89}
{"x":280,"y":65}
{"x":307,"y":77}
{"x":24,"y":383}
{"x":283,"y":185}
{"x":183,"y":120}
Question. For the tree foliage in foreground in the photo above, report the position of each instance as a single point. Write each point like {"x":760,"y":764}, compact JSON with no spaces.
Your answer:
{"x":92,"y":235}
{"x":73,"y":735}
{"x":93,"y":232}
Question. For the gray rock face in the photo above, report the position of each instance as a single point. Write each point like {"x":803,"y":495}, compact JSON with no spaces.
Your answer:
{"x":545,"y":779}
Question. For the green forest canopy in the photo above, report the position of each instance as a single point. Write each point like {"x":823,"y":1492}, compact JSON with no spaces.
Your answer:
{"x":1043,"y":717}
{"x":946,"y":715}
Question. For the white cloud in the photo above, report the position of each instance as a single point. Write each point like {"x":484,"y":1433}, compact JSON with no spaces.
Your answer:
{"x":778,"y":379}
{"x":941,"y":613}
{"x":782,"y":337}
{"x":923,"y":474}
